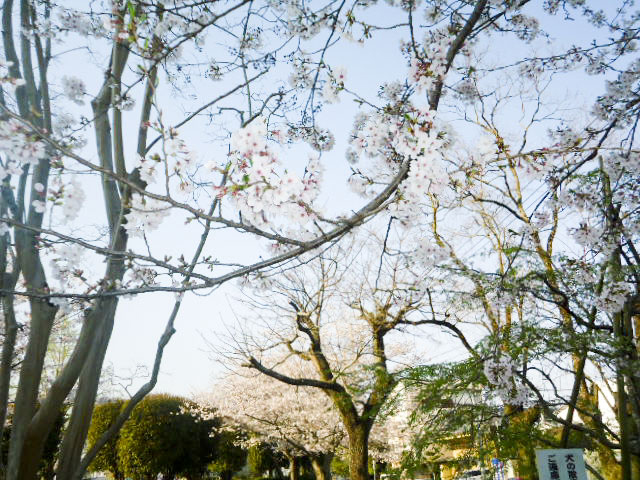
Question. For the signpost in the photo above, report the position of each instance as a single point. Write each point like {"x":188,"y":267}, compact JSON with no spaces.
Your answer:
{"x":561,"y":464}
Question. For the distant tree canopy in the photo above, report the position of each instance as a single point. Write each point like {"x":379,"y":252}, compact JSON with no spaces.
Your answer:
{"x":165,"y":435}
{"x":263,"y":459}
{"x":230,"y":457}
{"x":107,"y":459}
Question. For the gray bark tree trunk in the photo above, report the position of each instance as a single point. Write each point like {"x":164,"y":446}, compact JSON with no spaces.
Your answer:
{"x":27,"y":395}
{"x":76,"y":434}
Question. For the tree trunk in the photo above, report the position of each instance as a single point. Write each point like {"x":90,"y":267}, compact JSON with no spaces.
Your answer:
{"x":45,"y":418}
{"x":88,"y":383}
{"x":294,"y":467}
{"x":42,"y":316}
{"x":322,"y":466}
{"x":359,"y":452}
{"x":76,"y":433}
{"x":7,"y":281}
{"x":88,"y":354}
{"x":622,"y":405}
{"x":8,"y":347}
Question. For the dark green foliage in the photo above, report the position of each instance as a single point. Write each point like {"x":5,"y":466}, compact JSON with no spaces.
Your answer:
{"x":230,"y":457}
{"x":162,"y":436}
{"x":263,"y":459}
{"x":107,"y":458}
{"x":451,"y":405}
{"x":340,"y":466}
{"x":454,"y":414}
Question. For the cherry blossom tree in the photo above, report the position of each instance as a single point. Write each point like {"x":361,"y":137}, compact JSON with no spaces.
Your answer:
{"x":528,"y":221}
{"x":541,"y":260}
{"x":61,"y":254}
{"x":64,"y":251}
{"x":346,"y":311}
{"x":298,"y":421}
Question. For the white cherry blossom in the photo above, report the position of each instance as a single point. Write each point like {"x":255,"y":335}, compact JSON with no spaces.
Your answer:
{"x":74,"y":89}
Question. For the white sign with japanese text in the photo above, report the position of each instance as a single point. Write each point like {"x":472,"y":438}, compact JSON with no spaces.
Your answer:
{"x":561,"y":464}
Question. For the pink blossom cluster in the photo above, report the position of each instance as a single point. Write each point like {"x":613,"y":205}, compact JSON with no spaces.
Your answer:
{"x":73,"y":200}
{"x":174,"y":163}
{"x":65,"y":266}
{"x":526,"y":27}
{"x":587,"y":235}
{"x":318,"y":138}
{"x":276,"y":412}
{"x":148,"y":168}
{"x":145,"y":214}
{"x":168,"y":22}
{"x":618,"y":164}
{"x":139,"y":276}
{"x":302,"y":20}
{"x":20,"y":148}
{"x":393,"y":435}
{"x":71,"y":20}
{"x":176,"y":151}
{"x":261,"y":188}
{"x":391,"y":139}
{"x":429,"y":253}
{"x":619,"y":92}
{"x":430,"y":65}
{"x":501,"y":373}
{"x":74,"y":89}
{"x":302,"y":73}
{"x":614,"y":295}
{"x":334,"y":85}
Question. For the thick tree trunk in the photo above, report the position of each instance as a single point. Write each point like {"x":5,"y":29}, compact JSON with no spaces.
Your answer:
{"x":26,"y":244}
{"x":322,"y":466}
{"x":76,"y":433}
{"x":358,"y":452}
{"x":87,"y":355}
{"x":45,"y":418}
{"x":42,"y":316}
{"x":8,"y":282}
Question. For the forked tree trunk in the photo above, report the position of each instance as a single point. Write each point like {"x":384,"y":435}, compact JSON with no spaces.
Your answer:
{"x":44,"y":419}
{"x":76,"y":434}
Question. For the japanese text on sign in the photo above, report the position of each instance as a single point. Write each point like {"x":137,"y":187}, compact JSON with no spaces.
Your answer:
{"x":561,"y":464}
